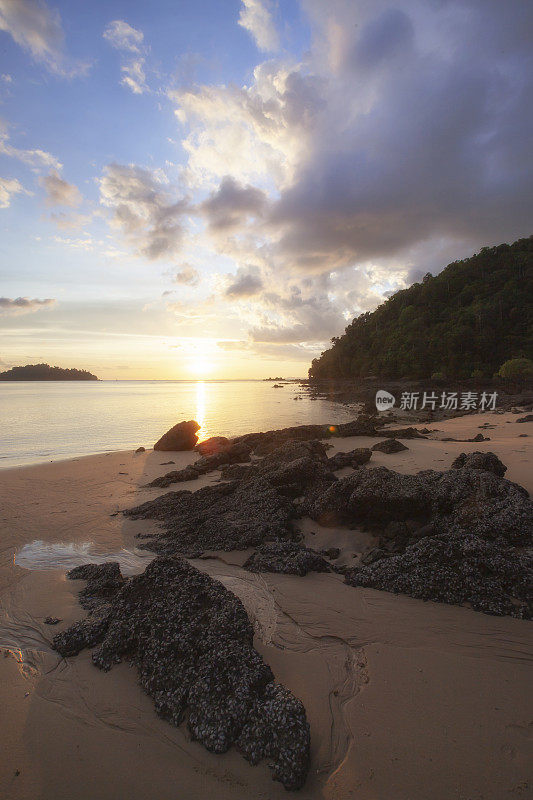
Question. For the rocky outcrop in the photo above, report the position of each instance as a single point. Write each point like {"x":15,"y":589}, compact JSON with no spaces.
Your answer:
{"x":192,"y":644}
{"x":402,"y":433}
{"x":355,"y":458}
{"x":489,"y":462}
{"x":289,"y":558}
{"x":230,"y":454}
{"x":489,"y":575}
{"x":459,"y":501}
{"x":212,"y":445}
{"x":390,"y":446}
{"x":242,"y":513}
{"x":181,"y":437}
{"x":527,"y":418}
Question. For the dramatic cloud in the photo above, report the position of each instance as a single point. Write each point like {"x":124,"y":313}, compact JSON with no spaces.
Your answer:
{"x":187,"y":276}
{"x":232,"y":204}
{"x":257,"y":132}
{"x":256,"y":18}
{"x":59,"y":192}
{"x":23,"y":305}
{"x":130,"y":42}
{"x":405,"y":128}
{"x":143,"y":209}
{"x":9,"y":187}
{"x":246,"y":283}
{"x":37,"y":29}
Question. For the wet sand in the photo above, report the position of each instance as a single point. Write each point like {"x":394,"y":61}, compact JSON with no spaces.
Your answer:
{"x":406,"y":700}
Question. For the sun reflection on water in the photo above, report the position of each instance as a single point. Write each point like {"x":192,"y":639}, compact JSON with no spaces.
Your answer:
{"x":200,"y":410}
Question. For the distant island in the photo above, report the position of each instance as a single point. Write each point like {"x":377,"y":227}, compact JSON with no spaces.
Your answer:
{"x":44,"y":372}
{"x":472,"y":320}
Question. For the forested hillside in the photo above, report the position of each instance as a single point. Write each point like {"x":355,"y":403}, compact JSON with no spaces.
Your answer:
{"x":465,"y":322}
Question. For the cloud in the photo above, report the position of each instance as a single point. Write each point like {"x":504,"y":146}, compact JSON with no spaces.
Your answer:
{"x":187,"y":275}
{"x":59,"y":192}
{"x":8,"y":188}
{"x":256,"y":132}
{"x":231,"y":204}
{"x":246,"y":283}
{"x":24,"y":305}
{"x":122,"y":36}
{"x":256,"y":18}
{"x":38,"y":30}
{"x":143,"y":210}
{"x":130,"y":42}
{"x":35,"y":158}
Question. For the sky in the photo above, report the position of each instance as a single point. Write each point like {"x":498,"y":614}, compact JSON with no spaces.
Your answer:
{"x":214,"y":189}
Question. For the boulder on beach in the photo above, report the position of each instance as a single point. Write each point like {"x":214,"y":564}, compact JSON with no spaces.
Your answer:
{"x":485,"y":461}
{"x":212,"y":445}
{"x":355,"y":458}
{"x":290,"y":558}
{"x":181,"y":437}
{"x":192,"y":644}
{"x":390,"y":446}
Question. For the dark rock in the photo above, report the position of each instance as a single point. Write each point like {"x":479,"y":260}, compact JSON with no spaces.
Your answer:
{"x":523,"y":435}
{"x":355,"y":458}
{"x":480,"y":438}
{"x":268,"y":441}
{"x":244,"y":513}
{"x":286,"y":557}
{"x":176,"y":476}
{"x":460,"y":500}
{"x":51,"y":620}
{"x":181,"y":437}
{"x":213,"y":445}
{"x":527,"y":418}
{"x":390,"y":446}
{"x":141,"y":450}
{"x":486,"y":461}
{"x":491,"y":576}
{"x":373,"y":555}
{"x":401,"y":433}
{"x":103,"y":580}
{"x":229,"y":455}
{"x":331,"y":552}
{"x":234,"y":472}
{"x":192,"y":643}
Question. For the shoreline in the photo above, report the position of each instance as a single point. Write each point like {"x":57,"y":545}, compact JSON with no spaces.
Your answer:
{"x":347,"y":653}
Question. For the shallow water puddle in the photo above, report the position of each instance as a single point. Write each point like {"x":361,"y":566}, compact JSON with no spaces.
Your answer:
{"x":66,"y":555}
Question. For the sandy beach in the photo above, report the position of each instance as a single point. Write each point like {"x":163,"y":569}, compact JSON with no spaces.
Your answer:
{"x":406,"y":700}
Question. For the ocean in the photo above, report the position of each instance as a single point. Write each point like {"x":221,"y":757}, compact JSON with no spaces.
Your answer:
{"x":47,"y":421}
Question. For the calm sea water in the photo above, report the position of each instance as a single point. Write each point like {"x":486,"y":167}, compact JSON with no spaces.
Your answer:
{"x":43,"y":421}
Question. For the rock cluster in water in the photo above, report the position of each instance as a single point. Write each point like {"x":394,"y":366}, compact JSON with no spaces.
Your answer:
{"x":191,"y":641}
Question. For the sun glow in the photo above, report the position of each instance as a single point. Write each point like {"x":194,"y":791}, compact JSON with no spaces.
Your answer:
{"x":202,"y":367}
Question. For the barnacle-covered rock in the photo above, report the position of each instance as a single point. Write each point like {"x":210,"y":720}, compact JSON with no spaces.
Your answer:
{"x":192,"y":643}
{"x":490,"y":575}
{"x":459,"y":500}
{"x":103,"y":580}
{"x":355,"y":458}
{"x":288,"y":557}
{"x":244,"y":513}
{"x":390,"y":446}
{"x":489,"y":462}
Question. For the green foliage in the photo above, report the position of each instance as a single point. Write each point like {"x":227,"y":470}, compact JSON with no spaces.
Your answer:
{"x":473,"y":316}
{"x":516,"y":368}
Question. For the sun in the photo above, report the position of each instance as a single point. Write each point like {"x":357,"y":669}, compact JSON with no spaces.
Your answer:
{"x":201,"y":367}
